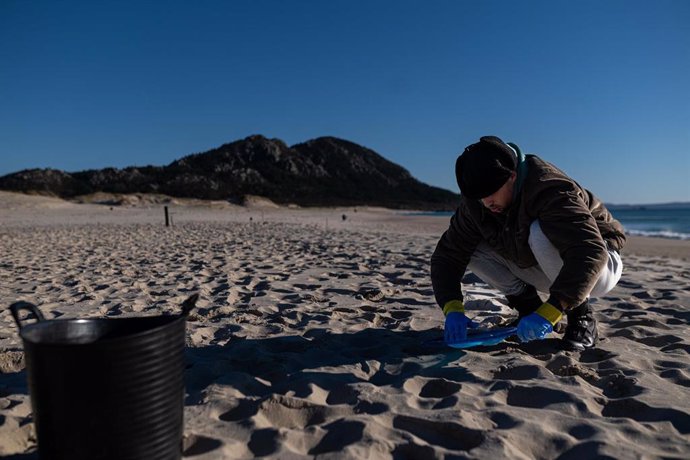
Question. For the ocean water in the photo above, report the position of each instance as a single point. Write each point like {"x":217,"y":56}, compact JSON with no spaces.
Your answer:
{"x":672,"y":222}
{"x":660,"y":222}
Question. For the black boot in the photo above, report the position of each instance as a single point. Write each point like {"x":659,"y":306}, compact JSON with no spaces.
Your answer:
{"x":524,"y":303}
{"x":581,"y":332}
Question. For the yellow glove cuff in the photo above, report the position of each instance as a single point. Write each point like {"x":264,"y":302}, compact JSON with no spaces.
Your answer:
{"x":453,"y":306}
{"x":550,"y":313}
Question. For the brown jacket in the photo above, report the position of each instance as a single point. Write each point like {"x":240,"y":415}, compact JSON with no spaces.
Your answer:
{"x":572,"y":218}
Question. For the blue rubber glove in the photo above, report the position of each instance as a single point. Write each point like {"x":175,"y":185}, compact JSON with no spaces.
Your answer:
{"x":456,"y":327}
{"x":537,"y":325}
{"x":533,"y":327}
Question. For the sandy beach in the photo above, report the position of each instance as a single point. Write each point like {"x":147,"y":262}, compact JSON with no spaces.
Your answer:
{"x":308,"y":338}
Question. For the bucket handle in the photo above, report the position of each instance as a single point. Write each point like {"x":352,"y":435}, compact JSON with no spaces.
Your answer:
{"x":16,"y":307}
{"x":189,"y":304}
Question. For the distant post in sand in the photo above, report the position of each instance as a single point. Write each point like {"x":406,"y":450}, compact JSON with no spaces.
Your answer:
{"x":167,"y":217}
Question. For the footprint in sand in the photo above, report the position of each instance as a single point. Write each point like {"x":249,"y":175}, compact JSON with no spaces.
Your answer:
{"x":339,"y":435}
{"x":246,"y":408}
{"x":412,"y":450}
{"x":504,"y":421}
{"x":678,"y":313}
{"x":637,"y":410}
{"x":306,"y":287}
{"x":640,"y":322}
{"x":221,"y":289}
{"x":378,"y":320}
{"x":673,"y":371}
{"x":401,"y":315}
{"x":294,"y":413}
{"x":676,"y":346}
{"x":264,"y":442}
{"x":676,"y":376}
{"x":540,"y":397}
{"x":582,"y":431}
{"x":596,"y":355}
{"x":626,"y":306}
{"x":262,"y":286}
{"x":371,"y":408}
{"x":339,"y":275}
{"x":372,"y":309}
{"x":449,"y":435}
{"x":193,"y":445}
{"x":342,"y":394}
{"x":660,"y":341}
{"x":434,"y":388}
{"x":665,"y":343}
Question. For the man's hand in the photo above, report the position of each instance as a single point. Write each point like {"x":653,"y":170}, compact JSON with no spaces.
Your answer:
{"x":456,"y":322}
{"x":456,"y":327}
{"x":537,"y":325}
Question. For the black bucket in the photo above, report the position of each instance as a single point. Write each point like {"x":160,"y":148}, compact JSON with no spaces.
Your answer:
{"x":110,"y":388}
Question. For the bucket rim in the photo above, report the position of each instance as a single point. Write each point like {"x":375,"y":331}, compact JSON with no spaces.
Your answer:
{"x":172,"y":319}
{"x":168,"y":320}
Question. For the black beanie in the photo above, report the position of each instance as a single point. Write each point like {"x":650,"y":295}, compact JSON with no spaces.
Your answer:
{"x":484,"y":167}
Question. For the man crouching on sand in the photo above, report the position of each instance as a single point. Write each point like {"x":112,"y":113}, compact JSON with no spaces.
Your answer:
{"x":524,"y":226}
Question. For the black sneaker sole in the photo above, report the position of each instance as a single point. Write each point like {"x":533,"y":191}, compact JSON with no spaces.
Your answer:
{"x":579,"y":346}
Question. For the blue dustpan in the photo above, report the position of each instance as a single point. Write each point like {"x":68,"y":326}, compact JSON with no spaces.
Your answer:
{"x":476,"y":337}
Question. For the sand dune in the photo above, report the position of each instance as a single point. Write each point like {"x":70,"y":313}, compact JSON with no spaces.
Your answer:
{"x":309,"y":337}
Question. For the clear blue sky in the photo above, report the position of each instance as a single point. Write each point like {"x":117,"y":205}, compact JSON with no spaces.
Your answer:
{"x":600,"y":88}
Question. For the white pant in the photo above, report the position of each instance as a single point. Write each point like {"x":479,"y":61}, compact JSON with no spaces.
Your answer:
{"x":507,"y":277}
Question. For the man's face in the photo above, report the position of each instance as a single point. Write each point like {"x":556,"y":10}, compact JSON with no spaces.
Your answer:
{"x":502,"y":198}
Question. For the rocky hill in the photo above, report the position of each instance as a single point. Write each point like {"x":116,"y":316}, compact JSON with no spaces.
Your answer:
{"x":321,"y":172}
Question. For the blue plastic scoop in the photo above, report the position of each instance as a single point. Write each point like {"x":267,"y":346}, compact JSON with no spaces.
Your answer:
{"x":476,"y":337}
